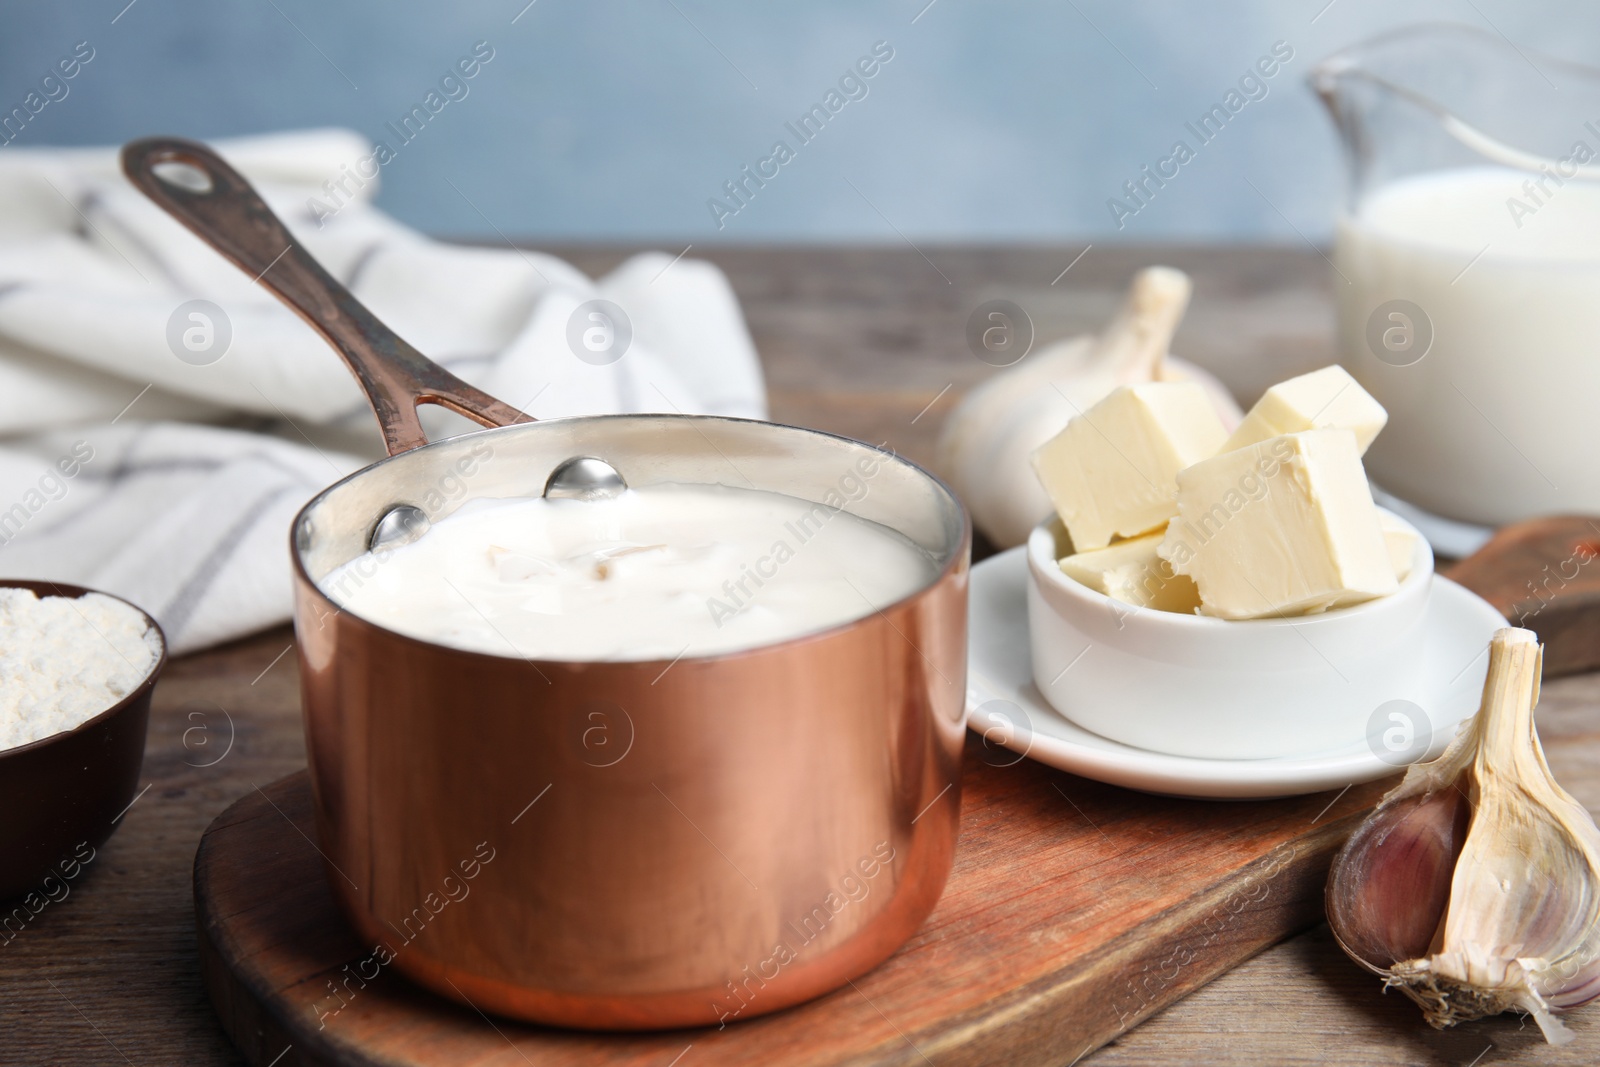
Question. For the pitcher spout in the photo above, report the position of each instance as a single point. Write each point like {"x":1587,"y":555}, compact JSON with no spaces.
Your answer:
{"x":1439,"y":95}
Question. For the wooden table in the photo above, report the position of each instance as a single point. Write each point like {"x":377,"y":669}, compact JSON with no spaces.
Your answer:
{"x":866,"y":342}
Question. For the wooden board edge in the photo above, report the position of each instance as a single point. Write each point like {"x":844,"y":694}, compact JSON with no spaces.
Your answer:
{"x":1539,"y":574}
{"x":256,"y":1032}
{"x":246,"y":1012}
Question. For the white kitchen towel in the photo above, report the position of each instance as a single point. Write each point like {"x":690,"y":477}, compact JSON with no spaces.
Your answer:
{"x":157,"y":448}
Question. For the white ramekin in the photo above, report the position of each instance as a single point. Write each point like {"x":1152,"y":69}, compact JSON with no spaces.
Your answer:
{"x":1192,"y":685}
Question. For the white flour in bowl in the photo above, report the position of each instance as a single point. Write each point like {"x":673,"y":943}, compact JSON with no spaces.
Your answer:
{"x":63,"y":660}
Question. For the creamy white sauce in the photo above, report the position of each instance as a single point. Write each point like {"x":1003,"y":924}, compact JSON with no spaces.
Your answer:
{"x":656,"y":573}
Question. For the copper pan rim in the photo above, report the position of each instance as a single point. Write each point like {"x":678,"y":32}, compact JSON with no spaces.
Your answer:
{"x":955,"y":557}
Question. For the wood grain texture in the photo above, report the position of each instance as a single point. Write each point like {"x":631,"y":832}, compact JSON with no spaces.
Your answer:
{"x":1542,"y":574}
{"x":857,"y":341}
{"x":1074,"y":911}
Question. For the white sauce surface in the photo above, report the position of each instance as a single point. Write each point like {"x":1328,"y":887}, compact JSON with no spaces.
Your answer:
{"x":656,"y":573}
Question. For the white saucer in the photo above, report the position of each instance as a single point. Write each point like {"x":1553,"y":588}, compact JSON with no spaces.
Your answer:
{"x":1006,"y":709}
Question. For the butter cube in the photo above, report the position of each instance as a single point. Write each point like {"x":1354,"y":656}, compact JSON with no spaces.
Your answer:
{"x":1402,"y":543}
{"x":1132,"y":572}
{"x":1325,"y":399}
{"x":1284,"y":527}
{"x":1112,"y":471}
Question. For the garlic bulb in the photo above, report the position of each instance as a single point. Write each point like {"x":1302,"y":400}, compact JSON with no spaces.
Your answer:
{"x":984,"y":448}
{"x":1475,"y":885}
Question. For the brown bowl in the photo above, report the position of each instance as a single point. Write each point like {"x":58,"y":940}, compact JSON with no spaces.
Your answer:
{"x":63,"y":793}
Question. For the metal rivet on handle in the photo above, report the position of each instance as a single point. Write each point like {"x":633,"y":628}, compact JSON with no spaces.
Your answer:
{"x":400,"y":525}
{"x":584,"y":478}
{"x":183,"y":175}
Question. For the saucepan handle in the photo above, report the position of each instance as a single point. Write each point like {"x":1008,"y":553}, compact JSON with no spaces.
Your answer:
{"x":193,"y":184}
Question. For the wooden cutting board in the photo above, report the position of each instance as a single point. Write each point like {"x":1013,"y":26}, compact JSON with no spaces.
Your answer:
{"x":1545,"y":575}
{"x":1074,"y":910}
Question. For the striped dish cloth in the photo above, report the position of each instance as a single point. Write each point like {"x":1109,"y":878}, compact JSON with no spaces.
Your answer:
{"x":162,"y":418}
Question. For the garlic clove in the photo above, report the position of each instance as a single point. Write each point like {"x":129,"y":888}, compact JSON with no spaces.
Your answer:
{"x":1393,"y":899}
{"x":1474,"y":886}
{"x":984,"y":448}
{"x":1133,"y":343}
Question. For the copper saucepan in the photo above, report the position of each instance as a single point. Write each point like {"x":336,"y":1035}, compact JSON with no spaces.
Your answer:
{"x":616,"y":845}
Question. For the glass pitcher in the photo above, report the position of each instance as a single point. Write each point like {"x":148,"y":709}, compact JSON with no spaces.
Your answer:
{"x":1467,"y":264}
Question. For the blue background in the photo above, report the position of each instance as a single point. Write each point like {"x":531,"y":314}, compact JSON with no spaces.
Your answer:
{"x":618,"y":119}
